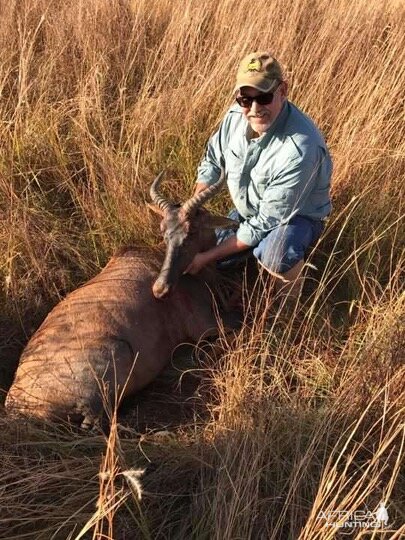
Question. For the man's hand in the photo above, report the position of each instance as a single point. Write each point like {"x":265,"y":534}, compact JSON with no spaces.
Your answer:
{"x":200,"y":260}
{"x":228,"y":247}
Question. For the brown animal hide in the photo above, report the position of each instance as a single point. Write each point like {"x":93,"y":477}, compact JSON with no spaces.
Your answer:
{"x":108,"y":337}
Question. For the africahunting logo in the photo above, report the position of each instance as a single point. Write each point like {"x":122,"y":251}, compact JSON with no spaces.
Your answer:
{"x":358,"y":519}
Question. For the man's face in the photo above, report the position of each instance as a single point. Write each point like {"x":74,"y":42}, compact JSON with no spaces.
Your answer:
{"x":260,"y":117}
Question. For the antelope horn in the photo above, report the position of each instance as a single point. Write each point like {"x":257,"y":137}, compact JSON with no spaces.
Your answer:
{"x":157,"y":199}
{"x":200,"y":198}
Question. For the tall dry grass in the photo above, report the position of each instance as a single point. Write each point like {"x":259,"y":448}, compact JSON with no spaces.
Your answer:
{"x":302,"y":416}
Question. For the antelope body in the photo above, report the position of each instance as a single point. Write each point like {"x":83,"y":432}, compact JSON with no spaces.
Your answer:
{"x":117,"y":331}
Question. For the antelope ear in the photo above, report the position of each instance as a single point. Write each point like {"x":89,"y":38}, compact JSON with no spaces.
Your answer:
{"x":220,"y":222}
{"x":155,"y":209}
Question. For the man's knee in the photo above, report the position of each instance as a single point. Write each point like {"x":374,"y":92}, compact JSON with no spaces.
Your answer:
{"x":279,"y":251}
{"x":285,"y":246}
{"x":280,"y":262}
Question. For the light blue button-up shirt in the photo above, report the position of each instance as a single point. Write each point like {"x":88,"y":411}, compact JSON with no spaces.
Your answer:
{"x":283,"y":173}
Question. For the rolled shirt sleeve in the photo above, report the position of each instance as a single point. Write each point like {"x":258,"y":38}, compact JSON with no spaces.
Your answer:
{"x":209,"y":169}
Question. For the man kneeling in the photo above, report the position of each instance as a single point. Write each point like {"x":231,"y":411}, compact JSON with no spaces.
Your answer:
{"x":278,"y":172}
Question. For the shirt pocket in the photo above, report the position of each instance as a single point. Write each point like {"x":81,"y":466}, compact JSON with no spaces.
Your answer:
{"x":233,"y":163}
{"x":259,"y":183}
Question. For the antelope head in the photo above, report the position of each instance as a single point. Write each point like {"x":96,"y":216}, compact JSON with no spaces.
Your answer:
{"x":187,"y":230}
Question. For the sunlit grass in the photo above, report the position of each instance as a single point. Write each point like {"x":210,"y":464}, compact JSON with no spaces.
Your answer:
{"x":295,"y":414}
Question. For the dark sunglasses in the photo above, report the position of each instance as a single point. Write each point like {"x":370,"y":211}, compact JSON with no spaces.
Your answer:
{"x":262,"y":99}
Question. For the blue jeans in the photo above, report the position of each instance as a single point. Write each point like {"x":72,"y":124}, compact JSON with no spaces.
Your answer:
{"x":282,"y":248}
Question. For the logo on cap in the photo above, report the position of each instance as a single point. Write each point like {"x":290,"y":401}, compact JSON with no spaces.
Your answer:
{"x":254,"y":65}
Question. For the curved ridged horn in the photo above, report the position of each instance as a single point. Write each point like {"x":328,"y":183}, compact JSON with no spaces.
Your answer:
{"x":157,"y":199}
{"x":200,"y":198}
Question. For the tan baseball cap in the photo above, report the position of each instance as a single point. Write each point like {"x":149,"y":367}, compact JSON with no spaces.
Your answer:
{"x":259,"y":70}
